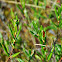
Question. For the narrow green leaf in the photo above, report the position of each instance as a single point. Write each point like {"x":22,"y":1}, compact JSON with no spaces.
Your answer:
{"x":20,"y":60}
{"x":16,"y":17}
{"x":11,"y":31}
{"x":30,"y":52}
{"x":41,"y":28}
{"x":6,"y":44}
{"x":50,"y":27}
{"x":33,"y":33}
{"x":59,"y":11}
{"x":22,"y":3}
{"x":43,"y":52}
{"x":61,"y":7}
{"x":36,"y":2}
{"x":2,"y":42}
{"x":20,"y":9}
{"x":26,"y":52}
{"x":56,"y":14}
{"x":4,"y":48}
{"x":14,"y":55}
{"x":0,"y":35}
{"x":37,"y":57}
{"x":42,"y":16}
{"x":45,"y":3}
{"x":12,"y":14}
{"x":20,"y":27}
{"x":50,"y":55}
{"x":15,"y":26}
{"x":0,"y":45}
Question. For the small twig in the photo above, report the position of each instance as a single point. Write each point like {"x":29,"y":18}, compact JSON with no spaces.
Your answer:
{"x":40,"y":44}
{"x":43,"y":45}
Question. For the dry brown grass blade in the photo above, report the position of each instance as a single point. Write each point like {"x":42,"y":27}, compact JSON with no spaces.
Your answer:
{"x":13,"y":2}
{"x":30,"y":5}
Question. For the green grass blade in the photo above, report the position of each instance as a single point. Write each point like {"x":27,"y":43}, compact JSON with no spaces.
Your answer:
{"x":50,"y":55}
{"x":4,"y":48}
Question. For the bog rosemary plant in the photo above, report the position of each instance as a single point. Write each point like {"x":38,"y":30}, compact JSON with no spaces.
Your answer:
{"x":15,"y":28}
{"x":37,"y":30}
